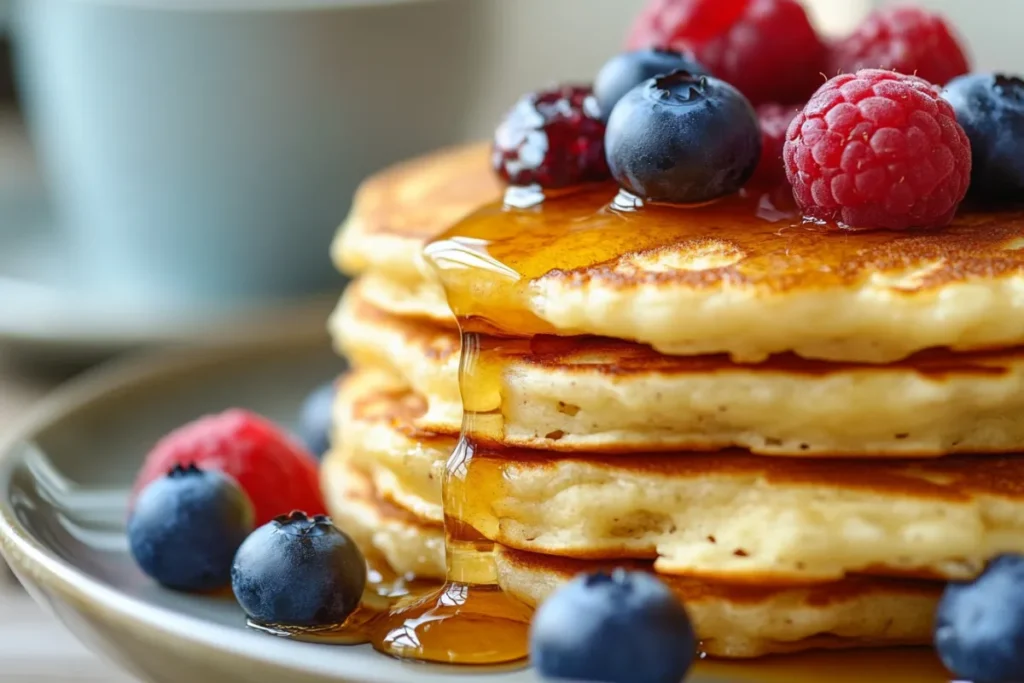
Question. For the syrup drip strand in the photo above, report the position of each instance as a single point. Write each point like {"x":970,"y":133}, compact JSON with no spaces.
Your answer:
{"x":469,"y":620}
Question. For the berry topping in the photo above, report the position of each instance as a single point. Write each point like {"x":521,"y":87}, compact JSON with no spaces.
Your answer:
{"x":774,"y":120}
{"x":624,"y":628}
{"x":298,"y":570}
{"x":766,"y":48}
{"x":276,"y":473}
{"x":991,"y":110}
{"x":979,"y":628}
{"x":553,"y":139}
{"x":877,"y":149}
{"x":683,"y":139}
{"x":315,"y":419}
{"x":186,"y":527}
{"x":624,"y":72}
{"x":909,"y":40}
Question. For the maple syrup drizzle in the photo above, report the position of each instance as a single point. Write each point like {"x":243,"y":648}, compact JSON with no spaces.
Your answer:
{"x":489,"y":262}
{"x":468,"y":620}
{"x":486,"y":264}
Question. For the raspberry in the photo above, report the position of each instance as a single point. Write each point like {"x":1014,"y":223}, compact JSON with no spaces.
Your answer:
{"x":774,"y":120}
{"x":276,"y":473}
{"x":878,"y":149}
{"x":553,"y":138}
{"x":909,"y":40}
{"x":766,"y":48}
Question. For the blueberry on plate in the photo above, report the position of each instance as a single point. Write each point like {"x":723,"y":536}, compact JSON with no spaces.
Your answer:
{"x":315,"y":419}
{"x":626,"y":627}
{"x":683,"y":139}
{"x":979,"y":628}
{"x":185,"y":527}
{"x":627,"y":70}
{"x":299,"y":571}
{"x":990,"y":108}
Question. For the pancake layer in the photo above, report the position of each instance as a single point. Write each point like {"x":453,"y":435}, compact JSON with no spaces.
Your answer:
{"x":409,"y":544}
{"x":603,"y":395}
{"x":732,"y":621}
{"x":725,"y":516}
{"x":734,"y":278}
{"x":743,"y":621}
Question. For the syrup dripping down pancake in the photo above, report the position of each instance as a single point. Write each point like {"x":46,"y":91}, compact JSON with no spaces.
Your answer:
{"x":733,"y":621}
{"x":395,"y":212}
{"x":719,"y":516}
{"x":593,"y":394}
{"x":732,"y":277}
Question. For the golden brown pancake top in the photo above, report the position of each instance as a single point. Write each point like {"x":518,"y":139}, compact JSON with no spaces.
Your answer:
{"x":422,"y":197}
{"x":735,"y":242}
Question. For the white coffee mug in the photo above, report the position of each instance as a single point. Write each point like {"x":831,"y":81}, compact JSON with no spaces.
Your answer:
{"x":205,"y":152}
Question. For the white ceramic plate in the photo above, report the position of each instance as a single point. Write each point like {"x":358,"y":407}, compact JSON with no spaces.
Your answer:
{"x":63,"y":481}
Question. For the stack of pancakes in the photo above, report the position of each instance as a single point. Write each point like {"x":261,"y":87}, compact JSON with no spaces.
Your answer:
{"x":802,"y":438}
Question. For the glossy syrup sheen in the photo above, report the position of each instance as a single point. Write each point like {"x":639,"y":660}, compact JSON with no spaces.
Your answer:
{"x":492,"y":262}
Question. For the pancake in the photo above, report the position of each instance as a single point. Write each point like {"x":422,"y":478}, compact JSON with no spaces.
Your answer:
{"x":396,"y":211}
{"x":744,"y":621}
{"x":410,"y":545}
{"x":375,"y":432}
{"x":724,"y":516}
{"x":731,"y":516}
{"x":737,"y":277}
{"x":604,"y":395}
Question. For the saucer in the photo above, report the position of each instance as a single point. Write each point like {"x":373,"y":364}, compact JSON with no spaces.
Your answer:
{"x":48,"y":312}
{"x":64,"y":480}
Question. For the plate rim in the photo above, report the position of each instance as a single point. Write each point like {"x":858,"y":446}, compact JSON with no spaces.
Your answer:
{"x":26,"y":552}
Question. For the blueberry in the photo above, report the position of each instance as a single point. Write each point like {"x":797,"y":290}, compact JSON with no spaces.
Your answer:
{"x":979,"y":629}
{"x":625,"y":71}
{"x":626,"y":627}
{"x":990,"y":108}
{"x":683,"y":139}
{"x":299,"y":571}
{"x":315,"y":419}
{"x":185,"y":528}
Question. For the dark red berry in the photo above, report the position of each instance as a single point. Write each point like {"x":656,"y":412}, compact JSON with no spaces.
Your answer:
{"x":774,"y":120}
{"x":553,"y":138}
{"x":878,"y":149}
{"x":909,"y":40}
{"x":766,"y":48}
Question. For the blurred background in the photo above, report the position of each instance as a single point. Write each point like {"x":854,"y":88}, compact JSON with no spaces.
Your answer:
{"x":172,"y":171}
